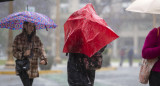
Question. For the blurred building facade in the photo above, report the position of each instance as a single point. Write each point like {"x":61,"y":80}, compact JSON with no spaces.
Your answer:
{"x":131,"y":27}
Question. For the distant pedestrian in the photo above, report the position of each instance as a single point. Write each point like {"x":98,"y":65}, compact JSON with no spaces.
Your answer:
{"x":130,"y":56}
{"x":122,"y":56}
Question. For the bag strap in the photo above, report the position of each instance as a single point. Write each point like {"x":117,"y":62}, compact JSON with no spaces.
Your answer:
{"x":31,"y":54}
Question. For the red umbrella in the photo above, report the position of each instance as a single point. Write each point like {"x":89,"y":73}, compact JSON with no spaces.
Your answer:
{"x":86,"y":32}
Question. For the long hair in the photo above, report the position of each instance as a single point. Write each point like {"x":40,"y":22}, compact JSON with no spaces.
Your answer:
{"x":24,"y":29}
{"x":29,"y":36}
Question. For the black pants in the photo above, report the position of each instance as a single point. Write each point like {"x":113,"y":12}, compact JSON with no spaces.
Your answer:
{"x":77,"y":74}
{"x":25,"y":79}
{"x":154,"y":79}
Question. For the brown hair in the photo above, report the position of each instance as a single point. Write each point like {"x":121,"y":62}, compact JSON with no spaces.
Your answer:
{"x":32,"y":34}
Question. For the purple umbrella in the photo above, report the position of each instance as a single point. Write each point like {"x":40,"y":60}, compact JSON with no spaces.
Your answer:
{"x":15,"y":20}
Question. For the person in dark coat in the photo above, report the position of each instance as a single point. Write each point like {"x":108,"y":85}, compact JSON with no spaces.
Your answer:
{"x":78,"y":75}
{"x":130,"y":56}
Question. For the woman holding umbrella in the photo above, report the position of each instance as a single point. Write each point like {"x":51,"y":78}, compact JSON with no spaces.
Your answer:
{"x":150,"y":51}
{"x":28,"y":46}
{"x":151,"y":47}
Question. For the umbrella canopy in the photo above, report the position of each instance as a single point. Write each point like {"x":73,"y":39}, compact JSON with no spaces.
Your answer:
{"x":86,"y":32}
{"x":145,"y":6}
{"x":5,"y":0}
{"x":15,"y":20}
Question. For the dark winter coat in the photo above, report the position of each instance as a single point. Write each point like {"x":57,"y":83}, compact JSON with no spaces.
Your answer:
{"x":77,"y":73}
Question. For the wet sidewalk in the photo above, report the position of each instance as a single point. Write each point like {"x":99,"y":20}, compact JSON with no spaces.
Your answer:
{"x":13,"y":80}
{"x":104,"y":77}
{"x":8,"y":77}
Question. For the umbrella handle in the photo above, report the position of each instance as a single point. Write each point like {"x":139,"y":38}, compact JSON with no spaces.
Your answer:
{"x":27,"y":7}
{"x":46,"y":28}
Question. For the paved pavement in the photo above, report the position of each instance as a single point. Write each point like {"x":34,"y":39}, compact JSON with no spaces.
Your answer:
{"x":122,"y":76}
{"x":12,"y":80}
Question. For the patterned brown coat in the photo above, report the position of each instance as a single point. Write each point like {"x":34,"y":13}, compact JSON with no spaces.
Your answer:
{"x":21,"y":44}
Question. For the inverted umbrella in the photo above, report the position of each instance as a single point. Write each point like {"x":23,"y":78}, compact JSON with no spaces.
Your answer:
{"x":146,"y":6}
{"x":15,"y":21}
{"x":86,"y":32}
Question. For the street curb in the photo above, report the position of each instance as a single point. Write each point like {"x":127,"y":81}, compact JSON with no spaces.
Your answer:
{"x":55,"y":71}
{"x":41,"y":72}
{"x":50,"y":71}
{"x":107,"y":69}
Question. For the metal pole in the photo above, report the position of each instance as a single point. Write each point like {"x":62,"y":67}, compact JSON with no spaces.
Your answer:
{"x":58,"y":59}
{"x":10,"y":61}
{"x":154,"y":20}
